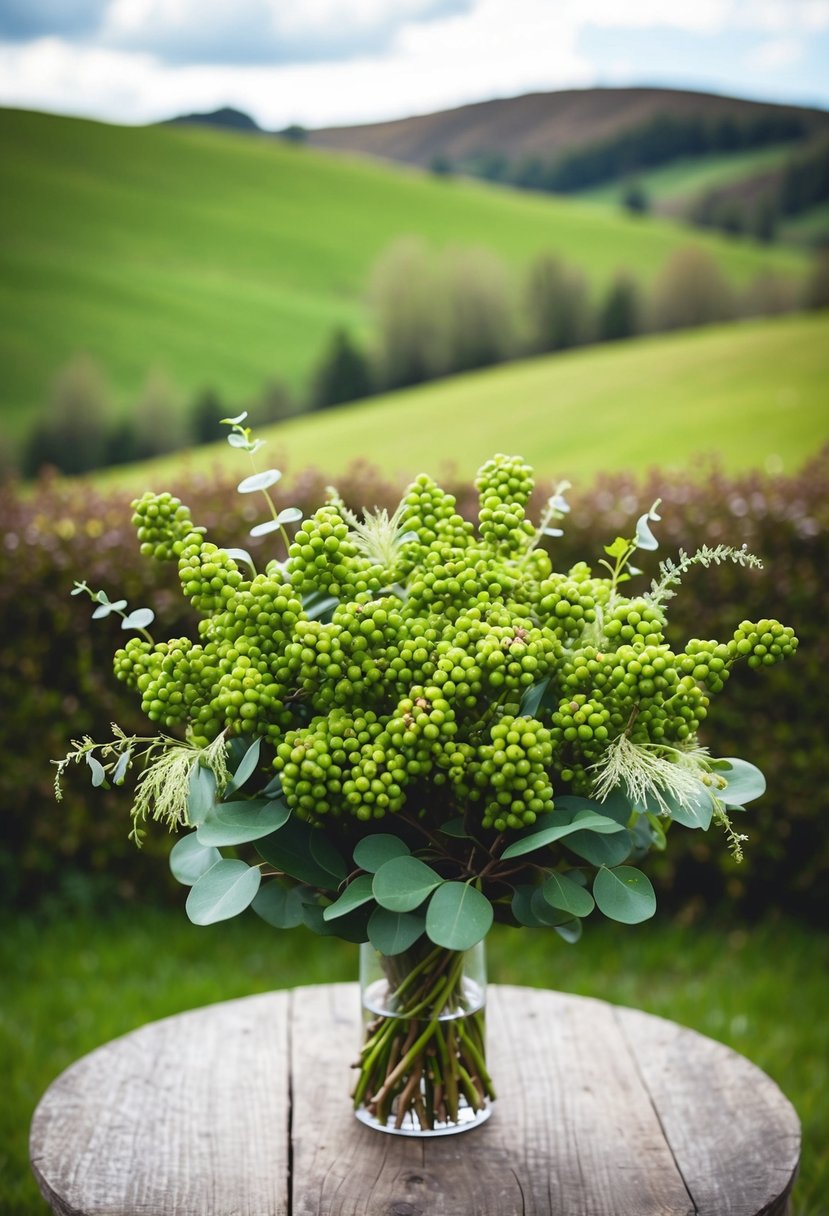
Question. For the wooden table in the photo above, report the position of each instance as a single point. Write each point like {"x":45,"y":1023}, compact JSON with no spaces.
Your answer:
{"x":241,"y":1108}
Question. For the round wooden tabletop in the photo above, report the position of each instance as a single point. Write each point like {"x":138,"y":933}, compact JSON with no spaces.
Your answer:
{"x":242,"y":1108}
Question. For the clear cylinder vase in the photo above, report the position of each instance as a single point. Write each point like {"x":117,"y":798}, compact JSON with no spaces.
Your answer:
{"x":422,"y":1067}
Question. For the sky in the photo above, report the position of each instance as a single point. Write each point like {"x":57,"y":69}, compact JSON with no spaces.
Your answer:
{"x":335,"y":62}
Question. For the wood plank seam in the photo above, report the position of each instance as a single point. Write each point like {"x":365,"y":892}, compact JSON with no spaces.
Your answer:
{"x":623,"y":1031}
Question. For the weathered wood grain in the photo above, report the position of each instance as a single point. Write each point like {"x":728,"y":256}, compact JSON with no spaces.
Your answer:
{"x":242,"y":1108}
{"x":184,"y":1117}
{"x":747,"y":1161}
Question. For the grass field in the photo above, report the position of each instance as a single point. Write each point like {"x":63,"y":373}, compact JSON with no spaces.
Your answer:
{"x":676,"y":184}
{"x":756,"y":394}
{"x":71,"y":983}
{"x":226,"y":259}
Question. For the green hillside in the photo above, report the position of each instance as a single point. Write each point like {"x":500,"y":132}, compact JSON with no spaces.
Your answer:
{"x":673,"y":186}
{"x":756,"y":394}
{"x":227,"y":259}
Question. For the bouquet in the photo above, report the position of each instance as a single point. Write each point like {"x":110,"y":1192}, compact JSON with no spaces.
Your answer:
{"x":405,"y":727}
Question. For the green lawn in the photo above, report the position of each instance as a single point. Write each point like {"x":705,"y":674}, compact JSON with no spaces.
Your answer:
{"x":226,"y":259}
{"x":73,"y":982}
{"x":755,"y":394}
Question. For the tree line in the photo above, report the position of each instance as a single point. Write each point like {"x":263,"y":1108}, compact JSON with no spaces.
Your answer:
{"x":659,"y":140}
{"x":433,"y":313}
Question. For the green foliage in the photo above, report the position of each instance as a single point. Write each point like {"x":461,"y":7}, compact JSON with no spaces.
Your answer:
{"x":41,"y":842}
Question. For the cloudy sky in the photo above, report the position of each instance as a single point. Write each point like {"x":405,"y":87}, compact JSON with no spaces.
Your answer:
{"x":325,"y":62}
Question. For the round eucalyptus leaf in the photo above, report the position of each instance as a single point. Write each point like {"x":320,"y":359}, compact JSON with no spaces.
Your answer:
{"x":327,"y":855}
{"x":353,"y":927}
{"x":522,"y":906}
{"x":568,"y":896}
{"x":289,"y":850}
{"x":458,"y":916}
{"x":745,"y":782}
{"x":225,"y":890}
{"x":694,"y":811}
{"x":231,"y":823}
{"x":259,"y":481}
{"x":570,"y":931}
{"x":289,"y":515}
{"x":393,"y":932}
{"x":402,"y":883}
{"x":357,"y":893}
{"x":601,"y":850}
{"x":238,"y":441}
{"x":139,"y":619}
{"x":455,"y":828}
{"x":278,"y":905}
{"x":544,"y":913}
{"x":239,"y":555}
{"x":372,"y":852}
{"x":624,"y":894}
{"x":189,"y":859}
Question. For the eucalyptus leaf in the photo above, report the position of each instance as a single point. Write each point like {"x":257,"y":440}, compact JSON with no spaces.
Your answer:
{"x":289,"y":850}
{"x":289,"y":515}
{"x":458,"y":916}
{"x":202,"y":793}
{"x":353,"y":927}
{"x":624,"y":894}
{"x":402,"y":883}
{"x":522,"y":906}
{"x":544,"y":913}
{"x":278,"y":905}
{"x":455,"y":828}
{"x":259,"y":481}
{"x":317,"y":606}
{"x":357,"y":892}
{"x":695,"y":811}
{"x":139,"y":619}
{"x":570,"y":931}
{"x":327,"y":855}
{"x":234,"y":421}
{"x":238,"y":441}
{"x":263,"y":529}
{"x":101,"y":611}
{"x":189,"y":859}
{"x":563,"y":893}
{"x":544,"y":832}
{"x":246,"y":767}
{"x":372,"y":852}
{"x":239,"y":555}
{"x":232,"y":823}
{"x":745,"y":782}
{"x":532,"y":698}
{"x":393,"y":932}
{"x":601,"y":850}
{"x":225,"y":890}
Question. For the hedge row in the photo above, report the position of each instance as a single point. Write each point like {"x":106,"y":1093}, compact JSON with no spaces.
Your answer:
{"x":56,"y":681}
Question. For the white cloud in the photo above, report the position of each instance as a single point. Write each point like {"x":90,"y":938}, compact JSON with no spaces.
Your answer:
{"x":775,"y":54}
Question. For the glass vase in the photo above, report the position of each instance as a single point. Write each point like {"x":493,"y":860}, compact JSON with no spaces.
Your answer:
{"x":422,"y":1067}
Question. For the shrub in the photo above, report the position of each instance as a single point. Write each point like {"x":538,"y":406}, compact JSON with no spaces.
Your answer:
{"x":53,"y":649}
{"x":620,"y":313}
{"x":558,"y":305}
{"x":72,"y":434}
{"x":690,"y":290}
{"x":343,"y":374}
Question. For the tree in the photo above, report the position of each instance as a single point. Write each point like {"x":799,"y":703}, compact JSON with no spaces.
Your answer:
{"x":558,"y":305}
{"x":690,"y":290}
{"x":635,"y":199}
{"x":72,"y":433}
{"x":343,"y":373}
{"x":409,"y":310}
{"x":205,"y":417}
{"x":817,"y":288}
{"x":620,"y":313}
{"x":480,"y":322}
{"x":158,"y":419}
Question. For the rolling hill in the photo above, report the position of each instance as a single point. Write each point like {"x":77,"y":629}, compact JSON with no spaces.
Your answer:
{"x":227,"y":259}
{"x":541,"y":124}
{"x":754,"y":394}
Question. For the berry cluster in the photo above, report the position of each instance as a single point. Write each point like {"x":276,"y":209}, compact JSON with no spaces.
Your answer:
{"x":408,"y":692}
